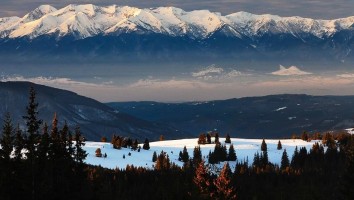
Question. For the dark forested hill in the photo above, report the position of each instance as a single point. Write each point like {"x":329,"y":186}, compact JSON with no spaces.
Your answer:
{"x":251,"y":117}
{"x":94,"y":118}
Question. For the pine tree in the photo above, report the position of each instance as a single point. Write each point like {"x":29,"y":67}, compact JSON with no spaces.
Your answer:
{"x":197,"y":155}
{"x":185,"y":155}
{"x":202,"y":178}
{"x":304,"y":136}
{"x":7,"y":139}
{"x":217,"y":138}
{"x":19,"y":143}
{"x":43,"y":146}
{"x":154,"y":157}
{"x":33,"y":125}
{"x":232,"y":153}
{"x":208,"y":138}
{"x":264,"y":146}
{"x":228,"y":139}
{"x":80,"y":153}
{"x":223,"y":184}
{"x":146,"y":145}
{"x":202,"y":139}
{"x":279,"y":147}
{"x":284,"y":161}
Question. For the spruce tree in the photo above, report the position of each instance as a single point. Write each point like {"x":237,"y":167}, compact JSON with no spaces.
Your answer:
{"x":33,"y":125}
{"x":264,"y":146}
{"x":80,"y":153}
{"x":202,"y":178}
{"x":146,"y":145}
{"x":223,"y":183}
{"x":185,"y":155}
{"x":7,"y":139}
{"x":217,"y":138}
{"x":154,"y":157}
{"x":19,"y":143}
{"x":208,"y":138}
{"x":232,"y":153}
{"x":279,"y":146}
{"x":197,"y":155}
{"x":43,"y":146}
{"x":202,"y":139}
{"x":284,"y":160}
{"x":228,"y":139}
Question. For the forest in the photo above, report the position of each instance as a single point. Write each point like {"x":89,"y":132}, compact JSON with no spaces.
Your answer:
{"x":41,"y":161}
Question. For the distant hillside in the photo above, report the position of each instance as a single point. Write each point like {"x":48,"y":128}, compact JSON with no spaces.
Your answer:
{"x":252,"y":117}
{"x":94,"y":118}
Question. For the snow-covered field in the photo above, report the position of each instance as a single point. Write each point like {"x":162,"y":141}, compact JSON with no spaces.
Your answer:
{"x":245,"y":148}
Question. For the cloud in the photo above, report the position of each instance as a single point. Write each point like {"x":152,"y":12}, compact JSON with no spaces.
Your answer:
{"x":346,"y":75}
{"x":209,"y":71}
{"x":213,"y":73}
{"x":291,"y":71}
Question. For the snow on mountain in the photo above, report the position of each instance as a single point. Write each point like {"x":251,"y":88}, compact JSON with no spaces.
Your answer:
{"x":82,"y":21}
{"x":293,"y":70}
{"x":245,"y":149}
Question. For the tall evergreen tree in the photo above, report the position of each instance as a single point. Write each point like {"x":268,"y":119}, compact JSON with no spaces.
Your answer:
{"x":217,"y":138}
{"x":228,"y":139}
{"x":80,"y":153}
{"x":284,"y":160}
{"x":146,"y":145}
{"x":202,"y":138}
{"x":43,"y":146}
{"x":33,"y":125}
{"x":202,"y":178}
{"x":154,"y":157}
{"x":223,"y":184}
{"x":19,"y":143}
{"x":232,"y":153}
{"x":208,"y":138}
{"x":264,"y":146}
{"x":7,"y":139}
{"x":279,"y":146}
{"x":197,"y":156}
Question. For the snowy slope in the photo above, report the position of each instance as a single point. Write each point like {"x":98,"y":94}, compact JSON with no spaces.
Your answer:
{"x":245,"y":148}
{"x":82,"y":21}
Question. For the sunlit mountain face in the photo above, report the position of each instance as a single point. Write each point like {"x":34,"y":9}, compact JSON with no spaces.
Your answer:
{"x":121,"y":53}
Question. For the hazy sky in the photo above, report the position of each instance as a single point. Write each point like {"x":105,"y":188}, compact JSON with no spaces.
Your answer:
{"x":324,"y":9}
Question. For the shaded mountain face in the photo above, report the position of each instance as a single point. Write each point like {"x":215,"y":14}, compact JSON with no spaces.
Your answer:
{"x":121,"y":33}
{"x":94,"y":118}
{"x":254,"y":117}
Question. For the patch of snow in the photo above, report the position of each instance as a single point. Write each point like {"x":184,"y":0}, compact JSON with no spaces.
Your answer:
{"x":245,"y":149}
{"x":279,"y":109}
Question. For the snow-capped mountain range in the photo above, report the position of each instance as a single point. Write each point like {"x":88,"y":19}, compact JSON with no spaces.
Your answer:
{"x":116,"y":29}
{"x":84,"y":21}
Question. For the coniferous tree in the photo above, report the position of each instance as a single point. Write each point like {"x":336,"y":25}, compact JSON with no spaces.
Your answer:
{"x":185,"y":155}
{"x":224,"y":187}
{"x":202,"y":139}
{"x":98,"y":152}
{"x":279,"y":146}
{"x":217,"y":138}
{"x":7,"y":139}
{"x":33,"y":125}
{"x":284,"y":161}
{"x":154,"y":157}
{"x":228,"y":139}
{"x":197,"y":156}
{"x":19,"y":143}
{"x":208,"y":138}
{"x":232,"y":153}
{"x":146,"y":145}
{"x":264,"y":146}
{"x":135,"y":144}
{"x":304,"y":136}
{"x":202,"y":178}
{"x":80,"y":153}
{"x":43,"y":146}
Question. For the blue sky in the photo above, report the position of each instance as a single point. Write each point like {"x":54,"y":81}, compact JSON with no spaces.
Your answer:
{"x":320,"y":9}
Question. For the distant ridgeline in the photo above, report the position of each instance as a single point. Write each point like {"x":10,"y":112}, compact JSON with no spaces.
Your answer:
{"x":120,"y":33}
{"x":42,"y":162}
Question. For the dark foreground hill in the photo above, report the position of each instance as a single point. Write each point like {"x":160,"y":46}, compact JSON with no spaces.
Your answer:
{"x":94,"y":118}
{"x":251,"y":117}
